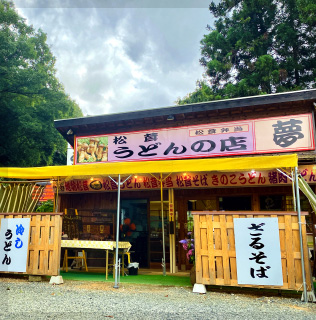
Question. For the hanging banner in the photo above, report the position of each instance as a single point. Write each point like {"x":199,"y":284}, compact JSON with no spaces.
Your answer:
{"x":258,"y":253}
{"x":14,"y":239}
{"x":190,"y":180}
{"x":270,"y":135}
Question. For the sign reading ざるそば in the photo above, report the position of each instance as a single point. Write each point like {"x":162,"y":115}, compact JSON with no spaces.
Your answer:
{"x":269,"y":135}
{"x":14,"y":239}
{"x":258,"y":254}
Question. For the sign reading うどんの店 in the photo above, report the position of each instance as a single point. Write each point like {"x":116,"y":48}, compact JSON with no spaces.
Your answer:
{"x":269,"y":135}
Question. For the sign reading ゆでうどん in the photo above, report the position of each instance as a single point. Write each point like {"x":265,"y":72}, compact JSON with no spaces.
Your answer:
{"x":14,"y":239}
{"x":269,"y":135}
{"x":258,"y":254}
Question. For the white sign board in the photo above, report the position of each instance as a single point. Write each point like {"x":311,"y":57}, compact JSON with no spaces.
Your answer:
{"x":70,"y":155}
{"x":14,"y":239}
{"x":258,"y":252}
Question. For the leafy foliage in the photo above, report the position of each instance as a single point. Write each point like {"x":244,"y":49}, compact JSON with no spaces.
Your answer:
{"x":257,"y":47}
{"x":31,"y":96}
{"x":47,"y":206}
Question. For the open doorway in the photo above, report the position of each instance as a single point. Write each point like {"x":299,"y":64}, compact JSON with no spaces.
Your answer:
{"x":134,"y":228}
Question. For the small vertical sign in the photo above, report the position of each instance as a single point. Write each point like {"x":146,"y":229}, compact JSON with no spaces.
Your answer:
{"x":171,"y":212}
{"x":70,"y":155}
{"x":14,"y":239}
{"x":258,"y":252}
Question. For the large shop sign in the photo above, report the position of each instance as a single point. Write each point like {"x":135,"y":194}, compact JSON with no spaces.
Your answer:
{"x":190,"y":180}
{"x":270,"y":135}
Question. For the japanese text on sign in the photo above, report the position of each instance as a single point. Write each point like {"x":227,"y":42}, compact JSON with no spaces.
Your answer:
{"x":258,"y":251}
{"x":14,"y":237}
{"x":191,"y":180}
{"x":282,"y":134}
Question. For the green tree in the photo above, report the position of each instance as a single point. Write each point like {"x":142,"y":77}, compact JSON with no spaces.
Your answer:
{"x":31,"y":96}
{"x":258,"y":47}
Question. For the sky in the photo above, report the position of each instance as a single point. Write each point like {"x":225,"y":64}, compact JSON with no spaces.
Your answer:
{"x":123,"y":55}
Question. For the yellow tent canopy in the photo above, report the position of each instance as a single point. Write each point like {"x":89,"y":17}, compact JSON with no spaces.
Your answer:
{"x":162,"y":166}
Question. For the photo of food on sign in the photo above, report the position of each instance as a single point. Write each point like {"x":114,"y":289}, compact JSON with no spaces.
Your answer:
{"x":92,"y":149}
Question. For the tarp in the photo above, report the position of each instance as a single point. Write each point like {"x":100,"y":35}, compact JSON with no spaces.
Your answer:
{"x":162,"y":166}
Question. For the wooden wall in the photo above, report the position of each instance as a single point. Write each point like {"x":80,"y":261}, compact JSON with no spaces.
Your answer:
{"x":44,"y":242}
{"x":215,"y":251}
{"x":183,"y":196}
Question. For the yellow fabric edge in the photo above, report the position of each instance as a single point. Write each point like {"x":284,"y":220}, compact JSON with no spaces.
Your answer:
{"x":159,"y":166}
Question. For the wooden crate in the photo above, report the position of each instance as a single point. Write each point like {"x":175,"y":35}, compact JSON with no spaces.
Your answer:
{"x":43,"y":256}
{"x":215,"y":253}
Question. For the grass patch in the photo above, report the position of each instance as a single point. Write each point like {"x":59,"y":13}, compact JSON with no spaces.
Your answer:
{"x":181,"y":281}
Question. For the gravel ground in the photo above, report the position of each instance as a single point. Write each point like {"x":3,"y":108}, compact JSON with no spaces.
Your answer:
{"x":21,"y":299}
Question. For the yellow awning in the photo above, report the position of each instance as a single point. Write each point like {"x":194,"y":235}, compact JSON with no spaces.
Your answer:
{"x":160,"y":166}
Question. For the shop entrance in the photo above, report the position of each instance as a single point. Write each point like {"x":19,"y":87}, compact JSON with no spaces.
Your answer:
{"x":156,"y":242}
{"x":134,"y":228}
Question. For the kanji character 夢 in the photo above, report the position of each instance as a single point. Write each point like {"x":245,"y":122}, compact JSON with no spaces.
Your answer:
{"x":287,"y":132}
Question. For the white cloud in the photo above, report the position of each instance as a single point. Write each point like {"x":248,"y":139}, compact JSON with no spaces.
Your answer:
{"x":122,"y":59}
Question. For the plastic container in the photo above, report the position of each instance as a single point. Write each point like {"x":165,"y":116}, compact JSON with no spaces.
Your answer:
{"x":133,"y":268}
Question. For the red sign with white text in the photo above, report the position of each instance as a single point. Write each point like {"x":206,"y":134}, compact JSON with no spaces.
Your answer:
{"x":191,"y":180}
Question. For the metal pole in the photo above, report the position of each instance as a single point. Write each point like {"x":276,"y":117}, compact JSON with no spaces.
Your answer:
{"x":163,"y":229}
{"x":117,"y":231}
{"x":293,"y":190}
{"x":298,"y":206}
